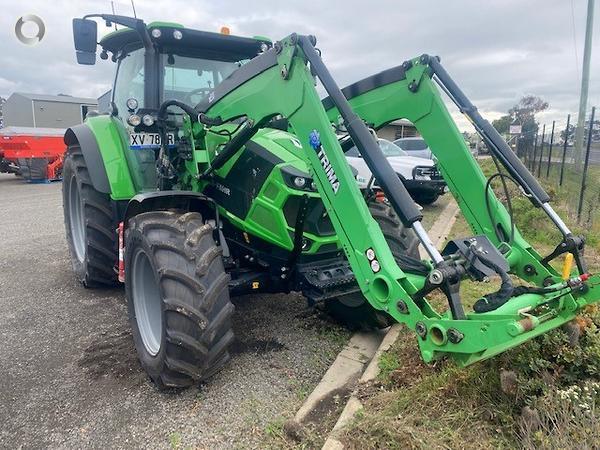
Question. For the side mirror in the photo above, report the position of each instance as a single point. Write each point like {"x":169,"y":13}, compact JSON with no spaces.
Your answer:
{"x":85,"y":35}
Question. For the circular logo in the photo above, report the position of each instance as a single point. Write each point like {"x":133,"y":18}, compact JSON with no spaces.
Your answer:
{"x":30,"y":40}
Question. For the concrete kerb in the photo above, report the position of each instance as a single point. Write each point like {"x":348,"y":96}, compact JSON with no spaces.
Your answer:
{"x":359,"y":360}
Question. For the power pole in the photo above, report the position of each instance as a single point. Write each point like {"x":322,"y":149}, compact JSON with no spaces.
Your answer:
{"x":585,"y":80}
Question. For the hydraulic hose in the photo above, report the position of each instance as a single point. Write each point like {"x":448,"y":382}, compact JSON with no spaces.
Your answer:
{"x":190,"y":111}
{"x":496,"y":299}
{"x":164,"y":167}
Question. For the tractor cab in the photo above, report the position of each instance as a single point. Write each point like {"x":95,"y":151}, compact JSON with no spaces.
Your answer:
{"x":186,"y":64}
{"x":157,"y":62}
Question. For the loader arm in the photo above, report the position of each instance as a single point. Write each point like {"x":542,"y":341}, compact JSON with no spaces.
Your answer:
{"x":408,"y":92}
{"x":280,"y":82}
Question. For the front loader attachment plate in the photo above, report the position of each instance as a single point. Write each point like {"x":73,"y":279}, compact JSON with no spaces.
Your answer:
{"x":483,"y":335}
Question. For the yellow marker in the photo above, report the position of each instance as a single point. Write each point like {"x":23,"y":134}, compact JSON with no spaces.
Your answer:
{"x":255,"y":285}
{"x":225,"y":30}
{"x":567,"y":266}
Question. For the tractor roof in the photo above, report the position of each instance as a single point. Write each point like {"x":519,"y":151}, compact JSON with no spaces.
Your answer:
{"x":193,"y":42}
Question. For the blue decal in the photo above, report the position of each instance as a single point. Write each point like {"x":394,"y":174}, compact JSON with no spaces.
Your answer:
{"x":314,"y":139}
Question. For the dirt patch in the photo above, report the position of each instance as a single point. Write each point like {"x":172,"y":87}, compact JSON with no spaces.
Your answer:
{"x":316,"y":426}
{"x":331,"y":404}
{"x":411,"y":371}
{"x":111,"y":354}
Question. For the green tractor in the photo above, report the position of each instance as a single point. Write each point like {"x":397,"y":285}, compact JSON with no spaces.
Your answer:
{"x":218,"y":171}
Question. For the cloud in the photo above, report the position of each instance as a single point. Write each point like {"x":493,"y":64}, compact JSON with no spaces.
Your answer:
{"x":496,"y":51}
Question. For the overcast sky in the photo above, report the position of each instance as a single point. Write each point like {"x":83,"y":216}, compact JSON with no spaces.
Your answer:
{"x":496,"y":51}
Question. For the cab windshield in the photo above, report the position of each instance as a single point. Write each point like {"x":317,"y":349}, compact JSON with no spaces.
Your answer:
{"x":190,"y":79}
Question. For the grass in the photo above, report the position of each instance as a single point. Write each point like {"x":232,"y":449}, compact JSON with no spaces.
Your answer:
{"x":543,"y":394}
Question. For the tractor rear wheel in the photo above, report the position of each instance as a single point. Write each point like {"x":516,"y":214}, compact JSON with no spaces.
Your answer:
{"x":89,"y":223}
{"x":178,"y":297}
{"x":354,"y":310}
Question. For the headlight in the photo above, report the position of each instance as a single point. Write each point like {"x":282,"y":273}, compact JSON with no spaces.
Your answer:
{"x":375,"y":266}
{"x":298,"y":179}
{"x":134,"y":120}
{"x":148,"y":120}
{"x":177,"y":35}
{"x":422,"y":173}
{"x":299,"y":182}
{"x":156,"y":33}
{"x":132,"y":104}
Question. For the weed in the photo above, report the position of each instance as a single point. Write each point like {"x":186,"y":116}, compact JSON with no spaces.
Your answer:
{"x":274,"y":429}
{"x":175,"y":440}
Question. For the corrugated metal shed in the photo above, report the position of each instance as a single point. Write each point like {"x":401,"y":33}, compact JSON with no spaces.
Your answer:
{"x":46,"y":111}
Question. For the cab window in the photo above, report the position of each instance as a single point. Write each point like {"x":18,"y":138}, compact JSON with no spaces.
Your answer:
{"x":129,"y":82}
{"x":190,"y":79}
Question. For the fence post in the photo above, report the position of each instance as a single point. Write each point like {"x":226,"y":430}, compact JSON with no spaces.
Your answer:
{"x":532,"y":160}
{"x":550,"y":151}
{"x":586,"y":164}
{"x":541,"y":151}
{"x":564,"y":155}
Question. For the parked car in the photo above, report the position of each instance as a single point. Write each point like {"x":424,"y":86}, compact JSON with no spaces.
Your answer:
{"x":420,"y":176}
{"x":415,"y":146}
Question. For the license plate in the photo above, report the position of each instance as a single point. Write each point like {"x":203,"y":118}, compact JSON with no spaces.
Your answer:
{"x":143,"y":141}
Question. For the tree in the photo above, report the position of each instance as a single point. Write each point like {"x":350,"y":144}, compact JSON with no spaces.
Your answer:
{"x":502,"y":125}
{"x":523,"y":113}
{"x":568,"y":135}
{"x":527,"y":108}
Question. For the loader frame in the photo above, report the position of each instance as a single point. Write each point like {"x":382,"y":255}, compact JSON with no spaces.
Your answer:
{"x":281,"y":82}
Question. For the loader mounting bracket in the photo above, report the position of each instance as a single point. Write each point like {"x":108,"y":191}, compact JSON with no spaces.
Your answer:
{"x":570,"y":244}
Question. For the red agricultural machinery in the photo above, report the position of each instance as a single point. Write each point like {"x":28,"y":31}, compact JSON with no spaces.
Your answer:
{"x":34,"y":153}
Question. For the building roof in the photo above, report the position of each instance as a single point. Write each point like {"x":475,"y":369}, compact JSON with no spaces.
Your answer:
{"x":58,"y":98}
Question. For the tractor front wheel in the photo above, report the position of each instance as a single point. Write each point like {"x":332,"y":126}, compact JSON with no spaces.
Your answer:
{"x":425,"y":199}
{"x":178,"y":297}
{"x":354,"y":310}
{"x":89,"y":223}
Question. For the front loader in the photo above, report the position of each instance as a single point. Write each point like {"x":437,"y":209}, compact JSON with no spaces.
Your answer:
{"x":218,"y":172}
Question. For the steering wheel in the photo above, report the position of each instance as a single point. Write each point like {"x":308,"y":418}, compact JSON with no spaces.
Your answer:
{"x":200,"y":91}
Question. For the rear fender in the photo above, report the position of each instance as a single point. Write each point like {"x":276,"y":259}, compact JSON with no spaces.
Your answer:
{"x":103,"y":143}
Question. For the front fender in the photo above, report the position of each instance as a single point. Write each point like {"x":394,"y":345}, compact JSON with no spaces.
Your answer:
{"x":172,"y":200}
{"x":103,"y":143}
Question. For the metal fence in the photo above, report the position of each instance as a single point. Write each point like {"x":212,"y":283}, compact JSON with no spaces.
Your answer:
{"x":575,"y":179}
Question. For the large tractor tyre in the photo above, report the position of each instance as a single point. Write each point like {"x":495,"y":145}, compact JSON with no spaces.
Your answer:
{"x":354,"y":310}
{"x":89,"y":223}
{"x":178,"y":297}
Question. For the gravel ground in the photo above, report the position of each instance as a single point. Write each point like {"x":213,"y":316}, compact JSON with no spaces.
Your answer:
{"x":68,"y":369}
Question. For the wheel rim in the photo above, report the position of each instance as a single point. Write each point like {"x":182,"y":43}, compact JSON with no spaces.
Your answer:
{"x":76,"y":220}
{"x":146,"y":302}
